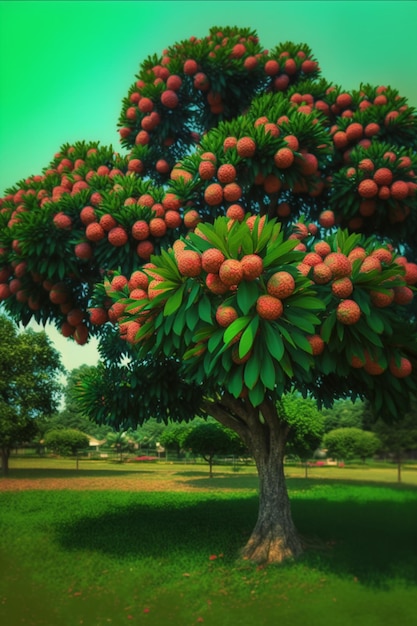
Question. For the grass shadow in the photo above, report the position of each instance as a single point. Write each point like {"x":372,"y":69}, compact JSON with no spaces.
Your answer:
{"x":371,"y":541}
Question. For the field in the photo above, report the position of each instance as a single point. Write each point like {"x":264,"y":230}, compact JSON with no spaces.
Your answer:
{"x":158,"y":544}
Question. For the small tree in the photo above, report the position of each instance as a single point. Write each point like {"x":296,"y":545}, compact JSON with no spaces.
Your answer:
{"x":121,"y":442}
{"x":29,"y":387}
{"x":212,"y":439}
{"x":67,"y":442}
{"x":306,"y":427}
{"x":174,"y":434}
{"x":398,"y":438}
{"x":350,"y":443}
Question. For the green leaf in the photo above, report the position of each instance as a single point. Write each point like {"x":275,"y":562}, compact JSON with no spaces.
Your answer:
{"x":327,"y":327}
{"x":375,"y":322}
{"x":267,"y":371}
{"x":215,"y":340}
{"x":273,"y":340}
{"x":247,"y":295}
{"x":310,"y":303}
{"x":204,"y":309}
{"x":235,"y":328}
{"x":286,"y":365}
{"x":193,"y":294}
{"x":248,"y":337}
{"x":174,"y":301}
{"x":283,"y":252}
{"x":257,"y":394}
{"x":252,"y":372}
{"x":371,"y":336}
{"x":179,"y":323}
{"x":235,"y":382}
{"x":300,"y":321}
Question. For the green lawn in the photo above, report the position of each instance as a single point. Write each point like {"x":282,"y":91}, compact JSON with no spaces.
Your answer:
{"x":72,"y":557}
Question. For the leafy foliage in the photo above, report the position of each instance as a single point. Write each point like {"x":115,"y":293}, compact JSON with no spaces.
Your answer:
{"x":66,"y":442}
{"x":350,"y":443}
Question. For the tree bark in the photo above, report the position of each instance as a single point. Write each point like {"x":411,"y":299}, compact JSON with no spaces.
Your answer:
{"x":274,"y":537}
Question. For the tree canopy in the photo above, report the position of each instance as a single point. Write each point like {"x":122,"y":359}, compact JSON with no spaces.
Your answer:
{"x":258,"y":237}
{"x":29,"y":385}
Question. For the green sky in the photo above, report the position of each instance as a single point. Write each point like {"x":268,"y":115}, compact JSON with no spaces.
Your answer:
{"x":65,"y":66}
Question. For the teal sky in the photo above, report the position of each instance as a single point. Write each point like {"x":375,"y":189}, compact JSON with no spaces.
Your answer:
{"x":65,"y":66}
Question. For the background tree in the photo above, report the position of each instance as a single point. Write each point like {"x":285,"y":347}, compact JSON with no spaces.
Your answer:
{"x":173,"y":435}
{"x":347,"y":414}
{"x":306,"y":427}
{"x":398,"y":439}
{"x":351,"y":443}
{"x":67,"y":442}
{"x":212,"y":439}
{"x":121,"y":442}
{"x":233,"y":310}
{"x":29,"y":387}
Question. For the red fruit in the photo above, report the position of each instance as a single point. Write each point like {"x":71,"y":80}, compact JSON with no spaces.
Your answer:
{"x":62,"y":221}
{"x":322,"y":248}
{"x":226,"y":173}
{"x":231,"y":272}
{"x":59,"y":293}
{"x":271,"y":67}
{"x":157,"y":227}
{"x":246,"y":147}
{"x":281,"y":285}
{"x":384,"y":255}
{"x":213,"y":194}
{"x":232,"y":192}
{"x":191,"y":219}
{"x":292,"y":142}
{"x":172,"y":219}
{"x":145,"y":249}
{"x":229,"y":142}
{"x":118,"y":236}
{"x":339,"y":264}
{"x":367,"y":188}
{"x":189,"y":263}
{"x":308,"y":66}
{"x":211,"y":260}
{"x":399,"y":190}
{"x":140,"y":230}
{"x":290,"y":67}
{"x":171,"y":201}
{"x":252,"y":266}
{"x":284,"y":158}
{"x":402,"y":370}
{"x":4,"y":291}
{"x":340,"y":140}
{"x":81,"y":334}
{"x":190,"y":67}
{"x":174,"y":82}
{"x":169,"y":99}
{"x":225,"y":315}
{"x":348,"y":312}
{"x":316,"y":343}
{"x":367,"y":207}
{"x":236,"y":212}
{"x":272,"y":184}
{"x":215,"y":284}
{"x":410,"y":273}
{"x":107,"y":222}
{"x":206,"y":170}
{"x":366,"y":165}
{"x":135,"y":165}
{"x":118,"y":283}
{"x":88,"y":215}
{"x":370,"y":264}
{"x":354,"y":131}
{"x":98,"y":316}
{"x":145,"y":105}
{"x":383,"y":176}
{"x":312,"y":258}
{"x":83,"y":251}
{"x":344,"y":100}
{"x":403,"y":295}
{"x":201,"y":81}
{"x":372,"y":366}
{"x":380,"y":299}
{"x":327,"y":219}
{"x":268,"y":307}
{"x":138,"y":280}
{"x":309,"y":164}
{"x":322,"y":273}
{"x":342,"y":287}
{"x":75,"y":316}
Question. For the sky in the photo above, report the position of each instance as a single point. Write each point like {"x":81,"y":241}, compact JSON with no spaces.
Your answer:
{"x":66,"y":66}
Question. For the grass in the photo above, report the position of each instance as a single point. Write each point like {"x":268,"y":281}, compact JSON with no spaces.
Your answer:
{"x":99,"y":557}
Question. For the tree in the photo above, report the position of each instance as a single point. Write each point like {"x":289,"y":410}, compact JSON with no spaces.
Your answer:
{"x":306,"y":426}
{"x":173,"y":435}
{"x":211,"y":439}
{"x":398,"y":438}
{"x":350,"y":443}
{"x":66,"y":442}
{"x":121,"y":442}
{"x":29,"y":387}
{"x":257,"y":238}
{"x":346,"y":414}
{"x":70,"y":416}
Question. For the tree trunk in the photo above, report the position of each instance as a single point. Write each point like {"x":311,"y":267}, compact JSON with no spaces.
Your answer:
{"x":4,"y":461}
{"x":274,"y":537}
